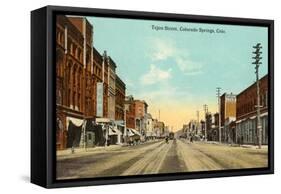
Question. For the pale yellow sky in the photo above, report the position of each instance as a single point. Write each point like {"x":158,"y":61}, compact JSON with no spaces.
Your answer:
{"x":177,"y":113}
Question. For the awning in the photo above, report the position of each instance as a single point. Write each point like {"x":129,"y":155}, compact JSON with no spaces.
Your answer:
{"x":129,"y":132}
{"x":75,"y":121}
{"x":264,"y":114}
{"x":114,"y":131}
{"x":132,"y":132}
{"x":136,"y":132}
{"x":253,"y":117}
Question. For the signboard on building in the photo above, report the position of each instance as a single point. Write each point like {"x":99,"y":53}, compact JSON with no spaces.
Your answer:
{"x":99,"y":99}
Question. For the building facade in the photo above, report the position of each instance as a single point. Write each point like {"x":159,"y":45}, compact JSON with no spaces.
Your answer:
{"x":159,"y":128}
{"x":246,"y":115}
{"x":141,"y":110}
{"x":228,"y":113}
{"x":73,"y":64}
{"x":85,"y":84}
{"x":130,"y":112}
{"x":111,"y":77}
{"x":120,"y":94}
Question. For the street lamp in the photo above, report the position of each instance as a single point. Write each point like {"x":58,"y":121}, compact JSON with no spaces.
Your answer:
{"x":257,"y":63}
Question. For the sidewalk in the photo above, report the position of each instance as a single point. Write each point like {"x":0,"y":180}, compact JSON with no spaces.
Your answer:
{"x":80,"y":151}
{"x":235,"y":145}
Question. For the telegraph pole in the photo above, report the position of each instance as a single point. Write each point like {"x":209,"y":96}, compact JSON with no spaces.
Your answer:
{"x":197,"y":112}
{"x":257,"y":63}
{"x":219,"y":110}
{"x":205,"y":106}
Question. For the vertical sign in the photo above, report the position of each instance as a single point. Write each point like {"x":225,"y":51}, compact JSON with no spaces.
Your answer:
{"x":99,"y":99}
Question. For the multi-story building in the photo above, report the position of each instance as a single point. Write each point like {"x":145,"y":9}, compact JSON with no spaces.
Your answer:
{"x":130,"y":112}
{"x":141,"y":110}
{"x":105,"y":84}
{"x":73,"y":61}
{"x":193,"y":127}
{"x":159,"y":128}
{"x":97,"y":78}
{"x":212,"y":121}
{"x":83,"y":77}
{"x":149,"y":126}
{"x":246,"y":114}
{"x":120,"y":89}
{"x":228,"y":113}
{"x":111,"y":76}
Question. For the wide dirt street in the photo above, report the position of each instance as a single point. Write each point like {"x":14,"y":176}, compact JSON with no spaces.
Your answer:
{"x":158,"y":157}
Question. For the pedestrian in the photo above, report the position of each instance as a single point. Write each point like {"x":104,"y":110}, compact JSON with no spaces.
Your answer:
{"x":167,"y":140}
{"x":72,"y":150}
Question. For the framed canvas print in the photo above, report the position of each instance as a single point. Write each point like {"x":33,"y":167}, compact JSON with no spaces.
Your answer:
{"x":126,"y":96}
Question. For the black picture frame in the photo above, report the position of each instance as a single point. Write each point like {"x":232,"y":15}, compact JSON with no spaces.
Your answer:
{"x":43,"y":109}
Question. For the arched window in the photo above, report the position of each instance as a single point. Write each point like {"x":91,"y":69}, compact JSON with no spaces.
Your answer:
{"x":59,"y":62}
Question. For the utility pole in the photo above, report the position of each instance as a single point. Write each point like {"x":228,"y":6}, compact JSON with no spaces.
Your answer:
{"x":257,"y":63}
{"x":125,"y":124}
{"x":205,"y":106}
{"x":219,"y":110}
{"x":197,"y":112}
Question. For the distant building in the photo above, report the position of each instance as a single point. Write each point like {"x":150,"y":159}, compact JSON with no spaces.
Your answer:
{"x":228,"y":111}
{"x":159,"y":127}
{"x":212,"y":126}
{"x":148,"y":122}
{"x":185,"y":130}
{"x":141,"y":110}
{"x":246,"y":114}
{"x":193,"y":127}
{"x":130,"y":112}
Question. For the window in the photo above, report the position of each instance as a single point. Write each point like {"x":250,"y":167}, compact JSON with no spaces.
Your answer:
{"x":79,"y":104}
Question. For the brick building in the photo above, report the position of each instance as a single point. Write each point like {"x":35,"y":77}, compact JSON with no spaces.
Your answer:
{"x":111,"y":76}
{"x":130,"y":112}
{"x":141,"y":110}
{"x":228,"y":114}
{"x":120,"y":89}
{"x":246,"y":121}
{"x":73,"y":63}
{"x":99,"y":74}
{"x":83,"y":76}
{"x":135,"y":114}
